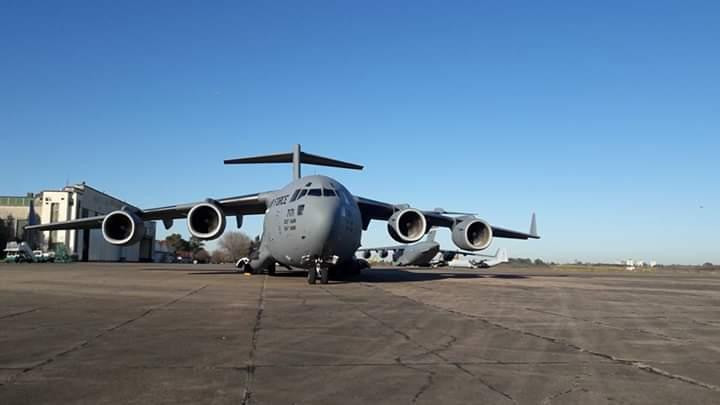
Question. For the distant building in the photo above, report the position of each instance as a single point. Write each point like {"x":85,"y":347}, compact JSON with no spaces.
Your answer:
{"x":17,"y":208}
{"x":73,"y":202}
{"x":163,"y":252}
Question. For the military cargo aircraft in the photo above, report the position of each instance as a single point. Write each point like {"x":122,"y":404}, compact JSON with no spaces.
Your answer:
{"x":425,"y":254}
{"x":313,"y":222}
{"x":486,"y":262}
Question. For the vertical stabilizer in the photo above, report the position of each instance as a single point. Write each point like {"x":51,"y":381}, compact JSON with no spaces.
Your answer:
{"x":533,"y":226}
{"x":502,"y":256}
{"x":296,"y":162}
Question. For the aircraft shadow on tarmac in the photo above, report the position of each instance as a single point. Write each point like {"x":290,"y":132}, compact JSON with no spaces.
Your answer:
{"x":380,"y":275}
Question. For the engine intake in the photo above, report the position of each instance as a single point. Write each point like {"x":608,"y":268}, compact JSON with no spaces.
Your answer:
{"x":122,"y":228}
{"x":407,"y":226}
{"x":206,"y":221}
{"x":472,"y":234}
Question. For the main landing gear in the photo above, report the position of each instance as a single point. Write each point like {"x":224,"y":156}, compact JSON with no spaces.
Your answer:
{"x":321,"y":272}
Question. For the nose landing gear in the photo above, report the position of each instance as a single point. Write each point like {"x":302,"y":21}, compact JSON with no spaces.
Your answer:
{"x":320,"y":271}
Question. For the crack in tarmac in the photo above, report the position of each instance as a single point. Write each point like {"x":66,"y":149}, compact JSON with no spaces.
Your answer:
{"x":633,"y":363}
{"x":423,"y":388}
{"x":428,"y":351}
{"x":85,"y":343}
{"x":609,"y":326}
{"x":250,"y":367}
{"x":574,"y":386}
{"x":20,"y":313}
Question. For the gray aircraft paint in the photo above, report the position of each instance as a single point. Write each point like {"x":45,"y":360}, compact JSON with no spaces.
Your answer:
{"x":421,"y":254}
{"x":325,"y":226}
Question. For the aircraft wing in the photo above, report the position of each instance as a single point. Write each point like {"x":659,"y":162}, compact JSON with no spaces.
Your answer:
{"x":461,"y":252}
{"x":396,"y":247}
{"x":250,"y":204}
{"x":372,"y":209}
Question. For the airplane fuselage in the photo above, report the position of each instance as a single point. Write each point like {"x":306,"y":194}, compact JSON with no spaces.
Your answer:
{"x":313,"y":219}
{"x":420,"y":254}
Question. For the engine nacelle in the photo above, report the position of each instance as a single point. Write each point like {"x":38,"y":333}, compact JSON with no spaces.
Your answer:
{"x":206,"y":221}
{"x":122,"y":228}
{"x":472,"y":234}
{"x":407,"y":226}
{"x":383,"y":253}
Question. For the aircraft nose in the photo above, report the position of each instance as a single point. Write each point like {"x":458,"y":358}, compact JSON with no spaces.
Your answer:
{"x":325,"y":228}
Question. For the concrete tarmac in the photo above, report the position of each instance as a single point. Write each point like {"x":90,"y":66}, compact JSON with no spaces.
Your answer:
{"x":146,"y":333}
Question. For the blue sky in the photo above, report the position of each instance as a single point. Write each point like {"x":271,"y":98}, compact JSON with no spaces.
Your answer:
{"x":602,"y":117}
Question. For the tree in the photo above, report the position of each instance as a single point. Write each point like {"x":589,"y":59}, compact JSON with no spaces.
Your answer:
{"x":195,"y":245}
{"x":176,"y":242}
{"x":235,"y":245}
{"x":219,"y":256}
{"x":201,"y":255}
{"x":539,"y":262}
{"x":707,"y":264}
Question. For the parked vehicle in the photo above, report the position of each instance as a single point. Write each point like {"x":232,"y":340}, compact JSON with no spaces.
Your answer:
{"x":18,"y":253}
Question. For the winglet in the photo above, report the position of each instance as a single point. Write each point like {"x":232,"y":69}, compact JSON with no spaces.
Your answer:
{"x":533,"y":227}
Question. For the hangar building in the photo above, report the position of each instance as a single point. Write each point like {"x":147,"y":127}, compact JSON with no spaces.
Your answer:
{"x":73,"y":202}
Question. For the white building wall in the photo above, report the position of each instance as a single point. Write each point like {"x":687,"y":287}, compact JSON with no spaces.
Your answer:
{"x":81,"y":201}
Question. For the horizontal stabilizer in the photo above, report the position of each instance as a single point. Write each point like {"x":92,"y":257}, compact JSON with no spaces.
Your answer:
{"x":296,"y":157}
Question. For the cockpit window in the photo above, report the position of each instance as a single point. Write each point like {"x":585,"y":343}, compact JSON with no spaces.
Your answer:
{"x":295,"y":195}
{"x":328,"y":192}
{"x":302,"y":194}
{"x":315,"y":192}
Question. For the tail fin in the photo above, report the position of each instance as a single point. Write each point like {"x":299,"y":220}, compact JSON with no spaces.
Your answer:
{"x":502,"y":256}
{"x":533,"y":226}
{"x":430,"y":236}
{"x":296,"y":157}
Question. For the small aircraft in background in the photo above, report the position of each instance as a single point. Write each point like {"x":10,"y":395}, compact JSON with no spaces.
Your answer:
{"x":501,"y":256}
{"x":429,"y":254}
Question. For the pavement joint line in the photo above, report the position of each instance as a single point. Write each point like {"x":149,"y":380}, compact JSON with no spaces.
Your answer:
{"x":628,"y":362}
{"x":85,"y":343}
{"x":20,"y":313}
{"x":250,"y":367}
{"x":428,"y":351}
{"x":606,"y":325}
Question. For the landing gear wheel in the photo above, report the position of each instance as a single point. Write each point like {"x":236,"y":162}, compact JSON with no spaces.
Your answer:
{"x":324,"y":275}
{"x":271,"y":270}
{"x":312,"y":276}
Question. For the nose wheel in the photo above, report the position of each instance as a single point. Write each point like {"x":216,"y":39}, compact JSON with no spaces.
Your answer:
{"x":319,"y":272}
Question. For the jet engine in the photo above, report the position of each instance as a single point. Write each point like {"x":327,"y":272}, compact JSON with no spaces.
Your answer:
{"x":472,"y":234}
{"x":206,"y":221}
{"x":383,"y":253}
{"x":122,"y":228}
{"x":407,"y":226}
